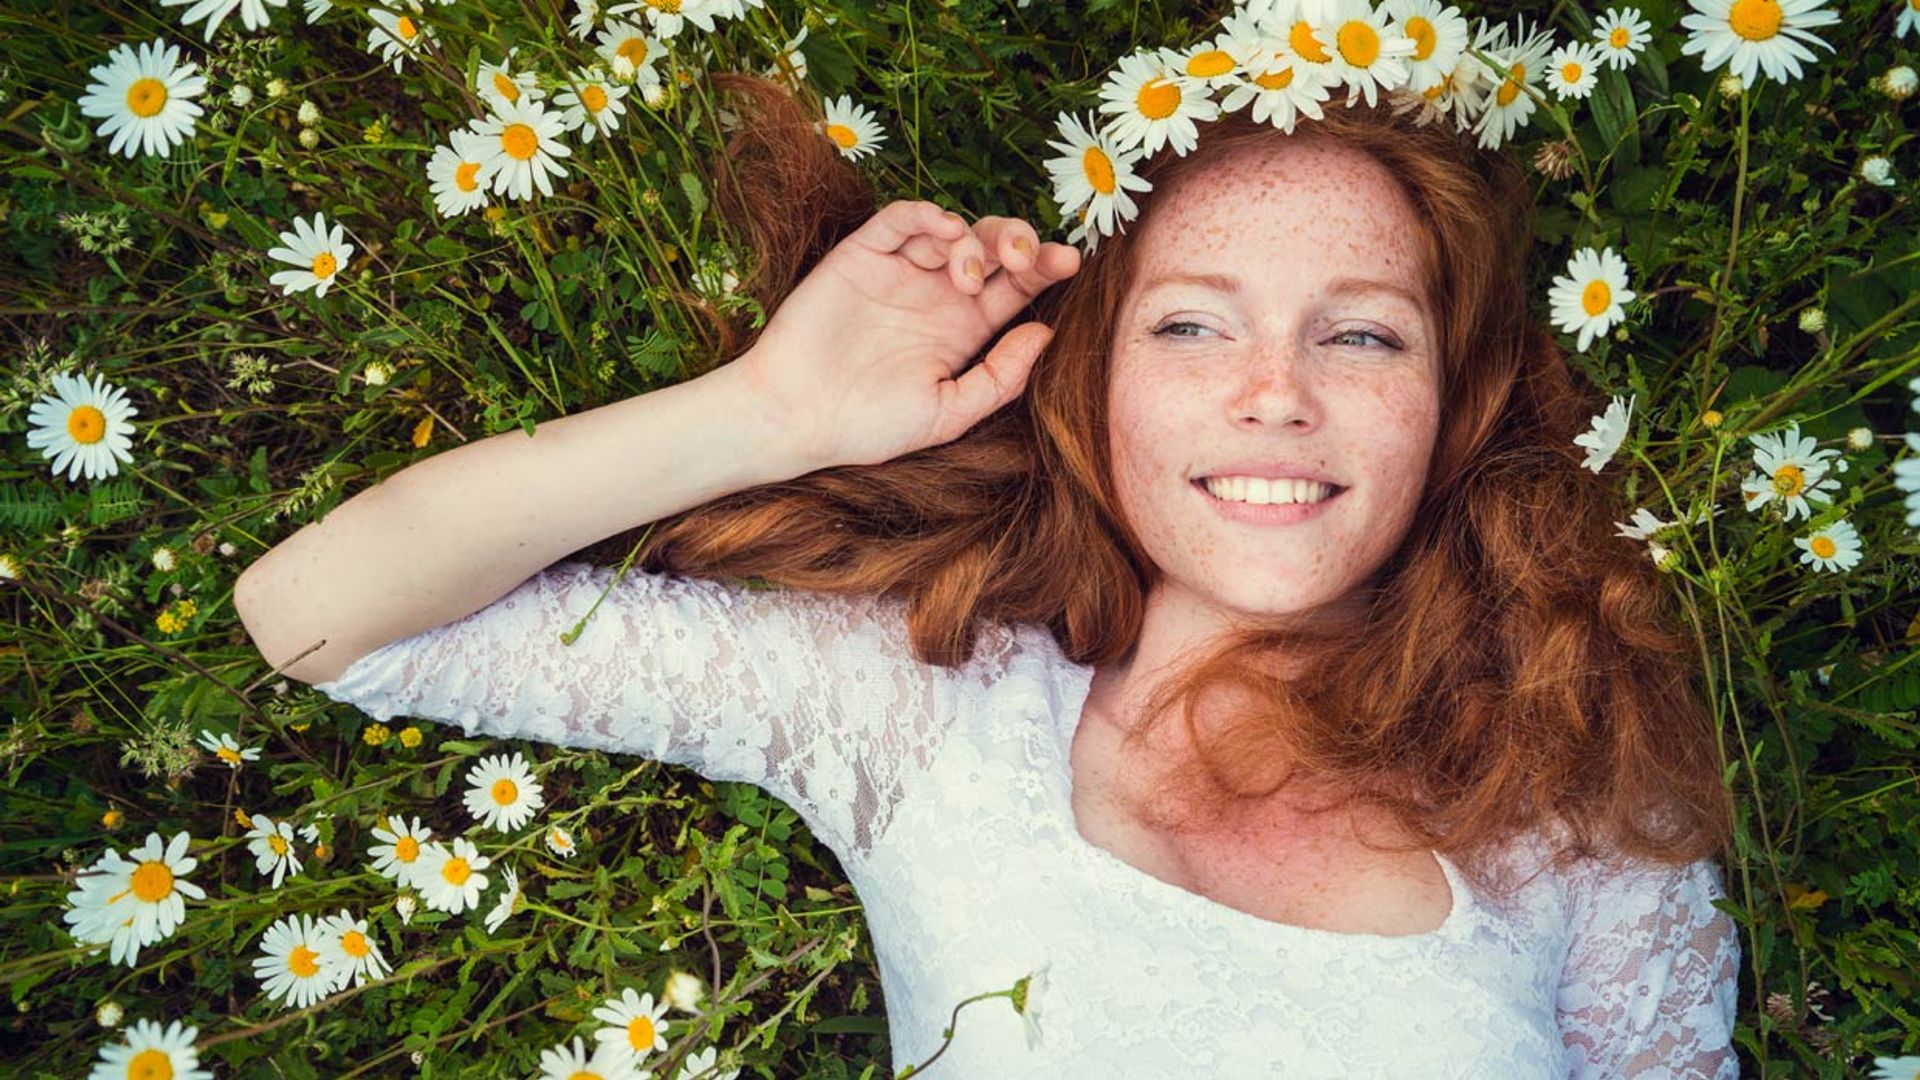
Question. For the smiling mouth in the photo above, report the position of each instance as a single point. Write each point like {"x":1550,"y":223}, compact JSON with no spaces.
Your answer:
{"x":1201,"y":483}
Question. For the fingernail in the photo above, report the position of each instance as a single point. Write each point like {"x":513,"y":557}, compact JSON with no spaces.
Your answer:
{"x":1023,"y":245}
{"x":973,"y":267}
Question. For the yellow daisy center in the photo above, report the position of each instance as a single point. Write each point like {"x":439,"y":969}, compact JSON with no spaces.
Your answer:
{"x":152,"y":1063}
{"x":593,"y":98}
{"x":1157,"y":98}
{"x":1303,"y":42}
{"x":843,"y":136}
{"x":1511,"y":88}
{"x":457,"y":871}
{"x":640,"y":1033}
{"x":354,"y":944}
{"x":1432,"y":93}
{"x":505,"y":87}
{"x":86,"y":424}
{"x":1619,"y":38}
{"x":152,"y":881}
{"x":278,"y":843}
{"x":228,"y":755}
{"x":324,"y":264}
{"x":1424,"y":37}
{"x":1209,"y":63}
{"x":1359,"y":45}
{"x":519,"y":141}
{"x":1787,"y":480}
{"x":1275,"y":80}
{"x":1571,"y":71}
{"x":463,"y":178}
{"x":634,"y":49}
{"x":1596,"y":297}
{"x":303,"y":962}
{"x":405,"y":28}
{"x":147,"y":96}
{"x":561,"y":840}
{"x":1755,"y":20}
{"x":406,"y":849}
{"x":1824,"y":546}
{"x":585,"y":1075}
{"x":505,"y":791}
{"x":671,"y":7}
{"x":1099,"y":170}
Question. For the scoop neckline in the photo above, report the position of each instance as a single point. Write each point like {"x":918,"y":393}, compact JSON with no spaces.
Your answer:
{"x":1078,"y":687}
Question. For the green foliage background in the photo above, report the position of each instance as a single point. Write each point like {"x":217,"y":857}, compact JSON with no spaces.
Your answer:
{"x":1737,"y":215}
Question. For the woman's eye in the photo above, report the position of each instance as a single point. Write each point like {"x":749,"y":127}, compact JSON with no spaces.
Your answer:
{"x":1164,"y":331}
{"x":1367,"y":333}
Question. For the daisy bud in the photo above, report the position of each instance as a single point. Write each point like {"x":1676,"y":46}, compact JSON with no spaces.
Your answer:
{"x":109,"y":1014}
{"x":1899,"y":83}
{"x":1859,"y":439}
{"x":227,"y":548}
{"x":309,"y":137}
{"x":163,"y":559}
{"x":1663,"y":557}
{"x":683,"y":991}
{"x":1813,"y":319}
{"x":376,"y":373}
{"x":309,"y":113}
{"x":1876,"y":169}
{"x":241,"y":95}
{"x":1732,"y":86}
{"x":654,"y":94}
{"x":276,"y":88}
{"x":405,"y":906}
{"x":418,"y":1057}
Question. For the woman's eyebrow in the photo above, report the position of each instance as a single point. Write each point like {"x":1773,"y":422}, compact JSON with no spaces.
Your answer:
{"x":1227,"y":283}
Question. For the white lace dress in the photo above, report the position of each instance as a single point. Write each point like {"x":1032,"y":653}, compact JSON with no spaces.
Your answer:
{"x":945,"y":795}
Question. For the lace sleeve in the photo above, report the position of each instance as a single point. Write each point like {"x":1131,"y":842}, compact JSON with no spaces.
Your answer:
{"x":813,"y":696}
{"x":1649,"y":988}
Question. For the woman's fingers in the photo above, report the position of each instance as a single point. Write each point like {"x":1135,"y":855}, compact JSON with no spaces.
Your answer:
{"x":999,"y":259}
{"x":899,"y":222}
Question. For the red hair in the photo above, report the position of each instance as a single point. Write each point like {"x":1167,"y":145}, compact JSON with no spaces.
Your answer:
{"x":1517,"y":664}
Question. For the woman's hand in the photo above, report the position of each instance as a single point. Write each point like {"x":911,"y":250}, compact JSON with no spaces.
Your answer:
{"x":867,"y":359}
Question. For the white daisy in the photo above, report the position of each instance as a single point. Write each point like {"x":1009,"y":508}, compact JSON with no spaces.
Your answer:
{"x":449,"y":877}
{"x":1909,"y":19}
{"x":570,"y":1061}
{"x":317,"y":8}
{"x":1213,"y":63}
{"x":224,"y":747}
{"x":252,"y":12}
{"x":398,"y":856}
{"x":151,"y":1052}
{"x":1792,"y":471}
{"x":636,"y":1025}
{"x":683,"y":991}
{"x":519,"y":145}
{"x":1747,"y":35}
{"x":290,"y":967}
{"x":1572,"y":70}
{"x":502,"y":793}
{"x":1153,"y":104}
{"x":1906,"y":478}
{"x":560,"y":842}
{"x":1645,"y":524}
{"x":1896,"y":1068}
{"x":1511,"y":102}
{"x":404,"y":906}
{"x":398,"y":35}
{"x":1027,"y":1001}
{"x":1439,"y":34}
{"x":319,"y":252}
{"x":1623,"y":35}
{"x":504,"y":906}
{"x":631,"y":52}
{"x":668,"y":17}
{"x":1302,"y":25}
{"x":350,"y":949}
{"x":272,"y":845}
{"x":735,"y":9}
{"x":1093,"y":174}
{"x":1280,"y":86}
{"x":129,"y":903}
{"x":1460,"y":94}
{"x":591,"y":104}
{"x":1367,"y":52}
{"x":145,"y":97}
{"x":700,"y":1062}
{"x":791,"y":64}
{"x":1606,"y":434}
{"x":585,"y":14}
{"x":497,"y":85}
{"x":83,"y":426}
{"x":1836,"y":547}
{"x":1588,"y":299}
{"x":852,"y":128}
{"x":454,"y":174}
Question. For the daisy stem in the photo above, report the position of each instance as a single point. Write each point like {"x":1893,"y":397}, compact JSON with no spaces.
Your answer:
{"x":1733,"y":243}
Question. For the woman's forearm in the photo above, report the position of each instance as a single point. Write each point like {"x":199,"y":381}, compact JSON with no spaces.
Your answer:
{"x":447,"y":536}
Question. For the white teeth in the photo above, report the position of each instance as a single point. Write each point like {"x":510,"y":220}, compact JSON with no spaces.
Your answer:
{"x":1258,"y":490}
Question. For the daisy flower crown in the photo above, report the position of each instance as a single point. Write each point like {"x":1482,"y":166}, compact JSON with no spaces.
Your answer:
{"x":1284,"y":60}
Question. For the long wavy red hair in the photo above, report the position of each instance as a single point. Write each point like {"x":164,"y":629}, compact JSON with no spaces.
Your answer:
{"x":1518,"y":665}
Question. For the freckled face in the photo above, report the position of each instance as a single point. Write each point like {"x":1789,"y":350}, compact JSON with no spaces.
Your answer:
{"x":1285,"y":369}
